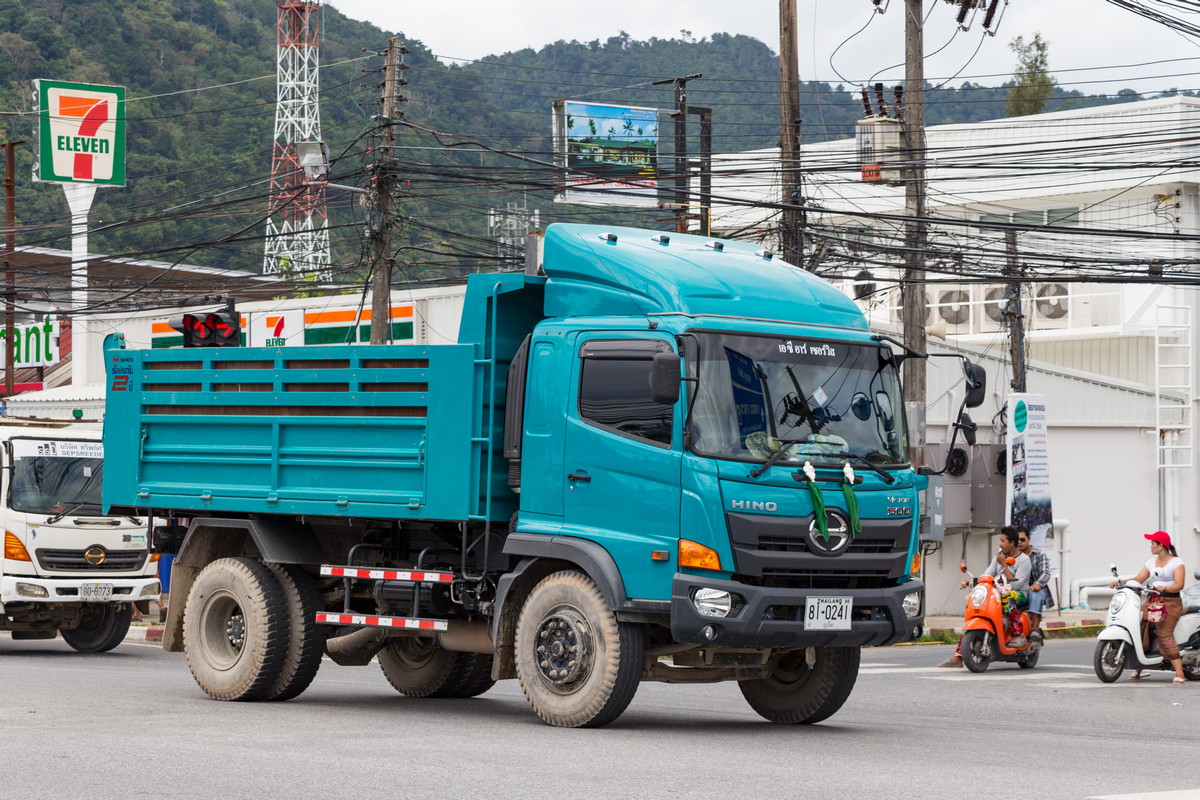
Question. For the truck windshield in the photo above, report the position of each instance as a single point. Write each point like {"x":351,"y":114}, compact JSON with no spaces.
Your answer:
{"x":55,"y":476}
{"x":821,"y":400}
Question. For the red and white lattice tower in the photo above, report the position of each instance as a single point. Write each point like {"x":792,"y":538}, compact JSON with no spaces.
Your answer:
{"x":297,"y":226}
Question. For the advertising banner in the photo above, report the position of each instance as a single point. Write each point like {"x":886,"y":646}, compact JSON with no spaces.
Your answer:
{"x":1028,"y":478}
{"x":81,"y":133}
{"x":607,"y":154}
{"x":34,"y":345}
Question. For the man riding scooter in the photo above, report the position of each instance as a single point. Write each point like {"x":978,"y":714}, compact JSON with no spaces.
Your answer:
{"x":1017,"y":575}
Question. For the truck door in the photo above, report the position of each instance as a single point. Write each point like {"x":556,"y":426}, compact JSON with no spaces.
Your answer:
{"x":622,"y":460}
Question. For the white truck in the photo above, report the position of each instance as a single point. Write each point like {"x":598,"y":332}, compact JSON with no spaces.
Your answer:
{"x":67,"y":568}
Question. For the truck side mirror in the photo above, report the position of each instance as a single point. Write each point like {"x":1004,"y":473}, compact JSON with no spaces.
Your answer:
{"x":976,"y":379}
{"x":664,"y":379}
{"x":968,"y":427}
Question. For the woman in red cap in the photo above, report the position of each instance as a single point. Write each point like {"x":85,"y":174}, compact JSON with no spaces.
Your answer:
{"x":1166,"y":574}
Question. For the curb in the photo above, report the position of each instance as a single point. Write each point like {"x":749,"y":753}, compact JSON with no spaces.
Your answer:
{"x":145,"y":633}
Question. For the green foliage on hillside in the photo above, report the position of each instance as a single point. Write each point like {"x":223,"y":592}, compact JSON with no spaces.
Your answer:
{"x":200,"y":157}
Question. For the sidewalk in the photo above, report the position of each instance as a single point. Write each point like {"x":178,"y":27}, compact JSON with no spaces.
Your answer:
{"x":147,"y":629}
{"x":1052,"y":619}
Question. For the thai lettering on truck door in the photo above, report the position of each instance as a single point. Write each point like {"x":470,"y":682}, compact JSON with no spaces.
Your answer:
{"x":622,"y":482}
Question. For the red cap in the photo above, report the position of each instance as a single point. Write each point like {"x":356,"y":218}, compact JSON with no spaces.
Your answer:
{"x":1161,"y":537}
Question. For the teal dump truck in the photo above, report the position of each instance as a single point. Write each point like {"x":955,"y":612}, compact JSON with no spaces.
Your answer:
{"x":656,"y":457}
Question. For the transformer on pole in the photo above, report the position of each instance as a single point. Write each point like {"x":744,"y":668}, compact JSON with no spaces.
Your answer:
{"x":297,"y":238}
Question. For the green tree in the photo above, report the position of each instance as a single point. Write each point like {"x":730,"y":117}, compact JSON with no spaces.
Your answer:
{"x":1032,"y":82}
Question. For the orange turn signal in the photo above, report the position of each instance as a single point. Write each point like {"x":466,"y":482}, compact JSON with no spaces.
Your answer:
{"x":155,"y":556}
{"x":916,"y":565}
{"x":13,"y":549}
{"x":697,"y":556}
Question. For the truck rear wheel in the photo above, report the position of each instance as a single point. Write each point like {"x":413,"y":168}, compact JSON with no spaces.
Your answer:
{"x":476,"y":678}
{"x":801,"y":694}
{"x":421,"y":667}
{"x":235,"y":629}
{"x":102,"y":628}
{"x":579,"y":667}
{"x":306,"y":639}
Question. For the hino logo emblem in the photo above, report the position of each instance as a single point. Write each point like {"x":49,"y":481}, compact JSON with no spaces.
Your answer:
{"x":95,"y":555}
{"x":839,"y":535}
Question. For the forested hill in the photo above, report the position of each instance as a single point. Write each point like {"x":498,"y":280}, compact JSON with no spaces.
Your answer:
{"x":200,"y":76}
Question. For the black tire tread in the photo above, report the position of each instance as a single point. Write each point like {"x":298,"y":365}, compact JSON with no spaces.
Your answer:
{"x":306,"y":638}
{"x":106,"y":634}
{"x":817,"y":697}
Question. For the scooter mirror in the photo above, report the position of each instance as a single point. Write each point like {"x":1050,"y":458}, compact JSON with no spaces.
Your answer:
{"x":1010,"y":561}
{"x":962,"y":567}
{"x":1113,"y":567}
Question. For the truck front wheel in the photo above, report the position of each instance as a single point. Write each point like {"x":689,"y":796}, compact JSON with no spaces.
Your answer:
{"x":579,"y":667}
{"x":102,"y":628}
{"x":805,"y":690}
{"x":235,"y":629}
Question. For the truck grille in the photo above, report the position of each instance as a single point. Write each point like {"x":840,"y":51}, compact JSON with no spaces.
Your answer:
{"x":77,"y":561}
{"x":776,"y":552}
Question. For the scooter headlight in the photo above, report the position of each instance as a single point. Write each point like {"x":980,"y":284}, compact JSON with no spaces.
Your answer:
{"x":1117,"y":603}
{"x":979,"y":596}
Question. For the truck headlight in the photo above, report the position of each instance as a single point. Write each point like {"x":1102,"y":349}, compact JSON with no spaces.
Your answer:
{"x":979,"y":596}
{"x":151,"y":589}
{"x":713,"y":602}
{"x":912,"y":604}
{"x":31,"y":590}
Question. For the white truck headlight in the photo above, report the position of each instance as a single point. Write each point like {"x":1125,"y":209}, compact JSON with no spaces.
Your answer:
{"x":31,"y":590}
{"x":712,"y":602}
{"x":912,"y":604}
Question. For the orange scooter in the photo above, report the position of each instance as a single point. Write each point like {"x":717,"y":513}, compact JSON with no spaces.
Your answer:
{"x":984,"y":637}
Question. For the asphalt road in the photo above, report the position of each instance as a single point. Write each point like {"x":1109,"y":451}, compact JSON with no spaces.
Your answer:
{"x":132,"y":723}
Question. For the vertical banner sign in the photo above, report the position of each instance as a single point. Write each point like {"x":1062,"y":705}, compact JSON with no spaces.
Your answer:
{"x":607,"y":155}
{"x":1029,"y":473}
{"x":81,"y":133}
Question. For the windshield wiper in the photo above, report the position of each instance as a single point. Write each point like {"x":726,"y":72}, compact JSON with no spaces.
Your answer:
{"x":776,"y":457}
{"x":883,"y":473}
{"x":65,"y":512}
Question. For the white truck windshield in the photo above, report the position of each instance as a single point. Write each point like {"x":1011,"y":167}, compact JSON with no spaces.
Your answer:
{"x":55,"y":476}
{"x":823,"y":400}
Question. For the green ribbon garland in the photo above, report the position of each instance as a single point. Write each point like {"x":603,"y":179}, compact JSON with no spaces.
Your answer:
{"x":818,"y":508}
{"x":852,"y":509}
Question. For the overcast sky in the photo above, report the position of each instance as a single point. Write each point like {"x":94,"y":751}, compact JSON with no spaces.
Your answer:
{"x":1083,"y":35}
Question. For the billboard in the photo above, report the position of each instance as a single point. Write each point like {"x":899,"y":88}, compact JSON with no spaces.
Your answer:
{"x":1028,"y":473}
{"x":81,"y":133}
{"x":606,"y":154}
{"x":34,"y":344}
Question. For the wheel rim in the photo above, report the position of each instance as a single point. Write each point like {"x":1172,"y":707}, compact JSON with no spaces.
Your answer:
{"x":564,"y":649}
{"x":414,"y":652}
{"x":224,"y":625}
{"x":1109,"y":658}
{"x":793,"y":669}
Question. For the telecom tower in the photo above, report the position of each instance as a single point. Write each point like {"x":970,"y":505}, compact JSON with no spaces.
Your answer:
{"x":297,"y":226}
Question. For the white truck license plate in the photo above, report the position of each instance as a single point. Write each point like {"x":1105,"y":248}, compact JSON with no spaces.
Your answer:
{"x":827,"y":614}
{"x":95,"y":592}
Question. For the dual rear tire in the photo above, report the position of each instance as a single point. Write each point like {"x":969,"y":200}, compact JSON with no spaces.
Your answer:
{"x":249,"y":630}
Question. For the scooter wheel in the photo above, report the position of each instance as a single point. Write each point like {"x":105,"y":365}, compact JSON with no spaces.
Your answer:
{"x":1109,"y":660}
{"x":977,"y":650}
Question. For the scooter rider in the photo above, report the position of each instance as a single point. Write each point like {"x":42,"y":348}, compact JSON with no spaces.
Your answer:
{"x":1039,"y":579}
{"x":1166,"y":574}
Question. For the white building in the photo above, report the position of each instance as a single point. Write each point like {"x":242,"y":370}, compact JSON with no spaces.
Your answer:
{"x":1114,"y":359}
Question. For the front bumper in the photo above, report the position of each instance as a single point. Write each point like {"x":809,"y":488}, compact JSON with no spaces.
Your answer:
{"x":775,"y":617}
{"x":66,"y":590}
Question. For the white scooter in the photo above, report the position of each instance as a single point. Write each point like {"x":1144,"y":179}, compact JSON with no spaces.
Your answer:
{"x":1119,"y":645}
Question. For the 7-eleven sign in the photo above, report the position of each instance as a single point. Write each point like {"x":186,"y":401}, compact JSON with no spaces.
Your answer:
{"x":81,"y":133}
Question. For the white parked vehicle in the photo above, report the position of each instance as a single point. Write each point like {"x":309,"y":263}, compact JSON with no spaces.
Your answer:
{"x":66,"y":568}
{"x":1119,"y":645}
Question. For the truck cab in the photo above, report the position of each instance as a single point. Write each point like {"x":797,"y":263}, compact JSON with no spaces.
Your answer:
{"x":67,"y":568}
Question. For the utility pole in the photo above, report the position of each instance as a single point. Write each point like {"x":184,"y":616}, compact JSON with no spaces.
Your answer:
{"x":385,"y":164}
{"x":10,"y":247}
{"x":681,"y":165}
{"x":912,"y":289}
{"x":791,"y":235}
{"x":1016,"y":320}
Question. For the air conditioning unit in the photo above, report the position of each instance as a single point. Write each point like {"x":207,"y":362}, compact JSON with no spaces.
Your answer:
{"x":954,"y":308}
{"x":1055,"y":306}
{"x":992,"y":309}
{"x":896,"y":302}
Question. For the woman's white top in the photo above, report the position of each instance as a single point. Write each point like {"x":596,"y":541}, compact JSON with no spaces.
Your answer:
{"x":1164,"y":575}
